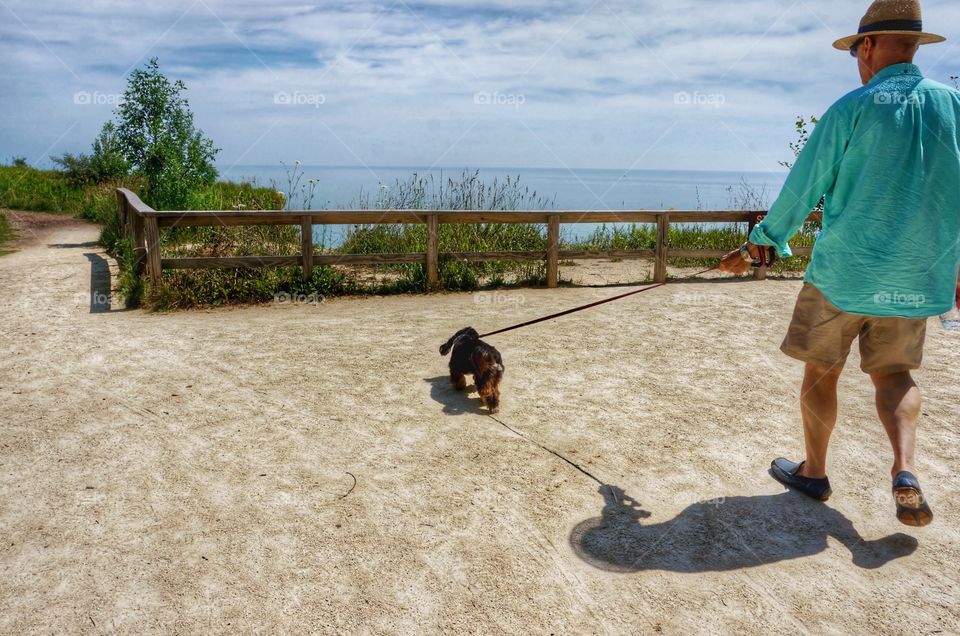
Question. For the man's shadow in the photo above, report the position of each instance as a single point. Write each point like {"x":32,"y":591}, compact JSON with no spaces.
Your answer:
{"x":724,"y":534}
{"x":455,"y":402}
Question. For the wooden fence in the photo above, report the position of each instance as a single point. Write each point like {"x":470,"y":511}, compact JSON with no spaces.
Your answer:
{"x":143,"y":223}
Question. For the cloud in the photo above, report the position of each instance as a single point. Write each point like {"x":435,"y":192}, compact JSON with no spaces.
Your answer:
{"x":602,"y":83}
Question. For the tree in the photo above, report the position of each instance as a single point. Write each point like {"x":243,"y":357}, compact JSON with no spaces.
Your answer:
{"x":156,"y":133}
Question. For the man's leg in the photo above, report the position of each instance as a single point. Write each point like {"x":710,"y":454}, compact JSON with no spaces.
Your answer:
{"x":818,"y":404}
{"x":898,"y":404}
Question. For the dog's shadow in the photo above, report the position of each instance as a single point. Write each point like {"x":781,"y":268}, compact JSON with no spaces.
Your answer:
{"x":455,"y":402}
{"x":728,"y":533}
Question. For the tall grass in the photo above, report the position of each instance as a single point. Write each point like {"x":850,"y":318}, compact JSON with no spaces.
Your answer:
{"x":468,"y":192}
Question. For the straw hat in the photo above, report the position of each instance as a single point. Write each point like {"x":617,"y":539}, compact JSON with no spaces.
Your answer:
{"x":895,"y":17}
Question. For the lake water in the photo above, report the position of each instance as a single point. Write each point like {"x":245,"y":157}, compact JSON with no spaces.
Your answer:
{"x":341,"y":187}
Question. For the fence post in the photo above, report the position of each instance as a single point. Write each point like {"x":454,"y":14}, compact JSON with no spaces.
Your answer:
{"x":152,"y":233}
{"x":132,"y":224}
{"x":660,"y":265}
{"x":306,"y":242}
{"x":122,"y":210}
{"x":553,"y":251}
{"x":759,"y":273}
{"x":139,"y":242}
{"x":433,"y":257}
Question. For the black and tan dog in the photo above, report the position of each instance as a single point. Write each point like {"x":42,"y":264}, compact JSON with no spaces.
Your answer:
{"x":472,"y":356}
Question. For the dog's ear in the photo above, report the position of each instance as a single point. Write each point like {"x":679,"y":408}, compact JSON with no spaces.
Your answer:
{"x":445,"y":347}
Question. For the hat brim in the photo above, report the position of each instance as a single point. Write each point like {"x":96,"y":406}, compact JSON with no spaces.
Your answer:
{"x":845,"y":44}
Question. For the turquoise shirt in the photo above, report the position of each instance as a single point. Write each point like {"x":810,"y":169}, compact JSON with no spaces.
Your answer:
{"x":887,"y":159}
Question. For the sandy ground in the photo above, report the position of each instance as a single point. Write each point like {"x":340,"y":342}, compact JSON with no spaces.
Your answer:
{"x":305,"y":468}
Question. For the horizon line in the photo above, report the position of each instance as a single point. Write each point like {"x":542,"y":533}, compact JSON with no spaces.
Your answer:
{"x":510,"y":168}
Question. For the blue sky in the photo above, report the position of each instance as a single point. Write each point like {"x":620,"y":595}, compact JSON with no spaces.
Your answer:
{"x":704,"y":85}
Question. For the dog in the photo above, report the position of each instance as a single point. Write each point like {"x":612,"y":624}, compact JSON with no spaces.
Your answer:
{"x":472,"y":356}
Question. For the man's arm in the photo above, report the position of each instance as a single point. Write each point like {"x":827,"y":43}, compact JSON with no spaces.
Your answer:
{"x":811,"y":177}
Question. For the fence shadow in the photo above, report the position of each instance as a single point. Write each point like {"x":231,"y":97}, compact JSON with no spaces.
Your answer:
{"x":724,"y":534}
{"x":455,"y":402}
{"x":88,"y":244}
{"x":99,"y":284}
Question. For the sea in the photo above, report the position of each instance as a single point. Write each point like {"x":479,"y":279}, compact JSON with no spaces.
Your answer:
{"x":341,"y":187}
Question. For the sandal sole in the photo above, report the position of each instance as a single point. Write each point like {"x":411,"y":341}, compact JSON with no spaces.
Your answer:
{"x":912,"y":510}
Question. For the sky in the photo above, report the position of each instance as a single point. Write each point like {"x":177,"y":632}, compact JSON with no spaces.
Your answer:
{"x":614,"y":84}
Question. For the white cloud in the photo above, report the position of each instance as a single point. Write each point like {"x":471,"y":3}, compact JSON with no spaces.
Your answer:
{"x":580,"y":84}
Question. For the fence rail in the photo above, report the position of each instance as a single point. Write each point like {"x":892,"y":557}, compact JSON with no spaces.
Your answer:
{"x":142,"y":224}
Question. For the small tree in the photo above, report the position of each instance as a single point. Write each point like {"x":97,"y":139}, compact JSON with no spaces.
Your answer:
{"x":156,"y":132}
{"x":803,"y":136}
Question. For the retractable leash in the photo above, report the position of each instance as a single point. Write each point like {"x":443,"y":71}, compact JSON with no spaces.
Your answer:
{"x":590,"y":306}
{"x":767,"y":258}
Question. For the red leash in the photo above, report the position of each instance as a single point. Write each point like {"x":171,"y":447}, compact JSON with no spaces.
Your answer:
{"x":590,"y":306}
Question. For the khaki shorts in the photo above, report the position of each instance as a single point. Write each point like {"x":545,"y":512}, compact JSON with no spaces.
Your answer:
{"x":822,"y":334}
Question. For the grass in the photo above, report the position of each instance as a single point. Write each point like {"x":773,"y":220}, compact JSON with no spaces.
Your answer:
{"x":6,"y":233}
{"x":689,"y":237}
{"x":49,"y":191}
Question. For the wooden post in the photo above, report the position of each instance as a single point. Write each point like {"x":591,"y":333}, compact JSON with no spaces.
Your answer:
{"x":759,"y":273}
{"x":139,"y":242}
{"x":152,"y":233}
{"x":306,"y":242}
{"x":553,"y":251}
{"x":660,"y":265}
{"x":122,"y":210}
{"x":433,"y":257}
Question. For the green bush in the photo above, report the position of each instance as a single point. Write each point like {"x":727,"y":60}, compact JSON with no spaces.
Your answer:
{"x":105,"y":164}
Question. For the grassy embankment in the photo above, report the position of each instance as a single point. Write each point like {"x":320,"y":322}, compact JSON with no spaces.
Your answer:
{"x":29,"y":189}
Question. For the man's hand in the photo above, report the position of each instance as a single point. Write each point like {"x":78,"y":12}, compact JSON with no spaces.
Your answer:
{"x":733,"y":262}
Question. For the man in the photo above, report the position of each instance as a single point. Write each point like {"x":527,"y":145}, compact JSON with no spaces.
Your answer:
{"x":886,"y":159}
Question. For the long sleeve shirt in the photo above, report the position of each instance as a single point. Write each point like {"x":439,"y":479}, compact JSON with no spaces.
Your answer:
{"x":886,"y":157}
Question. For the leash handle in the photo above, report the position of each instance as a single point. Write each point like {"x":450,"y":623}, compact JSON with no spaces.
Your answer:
{"x":585,"y":307}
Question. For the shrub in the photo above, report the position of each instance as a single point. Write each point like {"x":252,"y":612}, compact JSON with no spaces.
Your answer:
{"x":105,"y":164}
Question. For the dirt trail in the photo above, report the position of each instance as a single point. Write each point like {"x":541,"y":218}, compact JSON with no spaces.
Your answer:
{"x":191,"y":472}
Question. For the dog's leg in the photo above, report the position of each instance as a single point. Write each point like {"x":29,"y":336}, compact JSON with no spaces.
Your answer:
{"x":489,"y":390}
{"x":458,"y":380}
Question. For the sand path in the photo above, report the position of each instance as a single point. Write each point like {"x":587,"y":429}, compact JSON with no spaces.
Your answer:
{"x":194,"y":472}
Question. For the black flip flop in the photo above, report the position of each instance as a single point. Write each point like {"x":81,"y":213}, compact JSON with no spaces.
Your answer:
{"x":912,"y":507}
{"x":785,"y":471}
